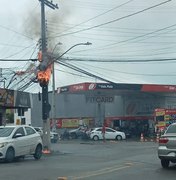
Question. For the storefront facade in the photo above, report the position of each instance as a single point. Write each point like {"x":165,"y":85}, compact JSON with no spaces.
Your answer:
{"x":91,"y":104}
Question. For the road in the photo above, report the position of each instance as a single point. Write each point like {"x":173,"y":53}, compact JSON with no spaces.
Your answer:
{"x":74,"y":160}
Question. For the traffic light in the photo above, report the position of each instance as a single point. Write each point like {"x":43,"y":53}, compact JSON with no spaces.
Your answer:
{"x":46,"y":110}
{"x":45,"y":104}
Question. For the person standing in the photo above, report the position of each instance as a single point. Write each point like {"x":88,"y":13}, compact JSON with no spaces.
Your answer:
{"x":103,"y":132}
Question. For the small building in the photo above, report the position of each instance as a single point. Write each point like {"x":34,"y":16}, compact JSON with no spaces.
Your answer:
{"x":14,"y":107}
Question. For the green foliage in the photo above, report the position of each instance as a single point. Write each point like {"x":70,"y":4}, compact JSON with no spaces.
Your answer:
{"x":10,"y":117}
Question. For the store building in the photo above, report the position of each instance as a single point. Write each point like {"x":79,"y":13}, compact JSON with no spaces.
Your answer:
{"x":122,"y":106}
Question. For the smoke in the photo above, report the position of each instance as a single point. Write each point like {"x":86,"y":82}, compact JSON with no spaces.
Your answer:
{"x":32,"y":26}
{"x":54,"y":25}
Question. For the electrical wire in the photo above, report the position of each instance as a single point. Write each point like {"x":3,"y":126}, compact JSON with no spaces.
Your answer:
{"x":18,"y":51}
{"x":83,"y":71}
{"x":16,"y":60}
{"x":99,"y":15}
{"x":115,"y":20}
{"x":12,"y":30}
{"x":125,"y":72}
{"x":127,"y":40}
{"x":121,"y":60}
{"x":70,"y":73}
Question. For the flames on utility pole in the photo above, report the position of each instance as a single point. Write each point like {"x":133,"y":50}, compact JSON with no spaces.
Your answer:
{"x":44,"y":76}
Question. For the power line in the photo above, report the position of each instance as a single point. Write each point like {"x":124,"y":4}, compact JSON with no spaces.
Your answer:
{"x":19,"y":51}
{"x":100,"y":60}
{"x":115,"y":20}
{"x":71,"y":73}
{"x":83,"y":71}
{"x":22,"y":88}
{"x":127,"y":55}
{"x":112,"y":9}
{"x":130,"y":73}
{"x":21,"y":34}
{"x":120,"y":60}
{"x":18,"y":60}
{"x":127,"y":40}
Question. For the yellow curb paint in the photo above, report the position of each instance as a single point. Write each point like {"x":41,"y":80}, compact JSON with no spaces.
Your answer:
{"x":62,"y":178}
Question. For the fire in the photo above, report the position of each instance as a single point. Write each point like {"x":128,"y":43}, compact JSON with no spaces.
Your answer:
{"x":44,"y":76}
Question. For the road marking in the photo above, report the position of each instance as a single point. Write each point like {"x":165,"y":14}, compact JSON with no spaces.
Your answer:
{"x":62,"y":178}
{"x":103,"y":171}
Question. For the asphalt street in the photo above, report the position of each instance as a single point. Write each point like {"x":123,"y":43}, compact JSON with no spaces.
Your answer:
{"x":90,"y":160}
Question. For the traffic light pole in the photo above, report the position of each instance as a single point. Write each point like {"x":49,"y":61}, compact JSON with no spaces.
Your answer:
{"x":43,"y":68}
{"x":46,"y":122}
{"x":45,"y":103}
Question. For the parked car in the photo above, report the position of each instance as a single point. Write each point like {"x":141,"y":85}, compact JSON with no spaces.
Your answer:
{"x":53,"y":135}
{"x":110,"y":133}
{"x":18,"y":141}
{"x":39,"y":130}
{"x":167,"y":146}
{"x":65,"y":134}
{"x":78,"y":132}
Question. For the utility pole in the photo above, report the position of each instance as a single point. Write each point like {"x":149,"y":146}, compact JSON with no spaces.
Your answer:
{"x":53,"y":93}
{"x":53,"y":100}
{"x":44,"y":84}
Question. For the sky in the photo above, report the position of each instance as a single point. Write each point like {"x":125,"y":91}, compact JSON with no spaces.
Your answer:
{"x":133,"y":41}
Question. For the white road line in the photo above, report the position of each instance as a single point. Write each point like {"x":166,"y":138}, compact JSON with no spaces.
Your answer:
{"x":103,"y":171}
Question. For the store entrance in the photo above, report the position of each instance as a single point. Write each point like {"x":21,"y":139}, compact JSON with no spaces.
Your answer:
{"x":132,"y":128}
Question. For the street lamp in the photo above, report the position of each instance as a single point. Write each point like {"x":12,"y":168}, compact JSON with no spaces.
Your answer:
{"x":79,"y":44}
{"x":53,"y":79}
{"x":58,"y":44}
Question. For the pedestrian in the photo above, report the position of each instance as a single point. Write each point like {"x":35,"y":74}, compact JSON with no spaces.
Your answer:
{"x":103,"y":132}
{"x":65,"y":134}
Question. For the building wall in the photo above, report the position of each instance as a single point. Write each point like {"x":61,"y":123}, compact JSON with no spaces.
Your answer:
{"x":171,"y":101}
{"x":116,"y":108}
{"x":142,"y":104}
{"x":76,"y":106}
{"x":27,"y":116}
{"x":73,"y":105}
{"x":36,"y":111}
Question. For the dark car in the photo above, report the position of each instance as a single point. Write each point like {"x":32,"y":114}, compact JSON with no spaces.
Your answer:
{"x":78,"y":133}
{"x":167,"y":146}
{"x":54,"y":137}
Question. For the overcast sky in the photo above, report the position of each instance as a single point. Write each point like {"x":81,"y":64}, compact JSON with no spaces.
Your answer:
{"x":118,"y":30}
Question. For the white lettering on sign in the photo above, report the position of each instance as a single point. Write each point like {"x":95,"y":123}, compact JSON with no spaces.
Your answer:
{"x":92,"y":86}
{"x":106,"y":86}
{"x":77,"y":87}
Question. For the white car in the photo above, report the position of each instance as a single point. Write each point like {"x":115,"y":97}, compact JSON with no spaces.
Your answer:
{"x":54,"y":136}
{"x":18,"y":141}
{"x":110,"y":133}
